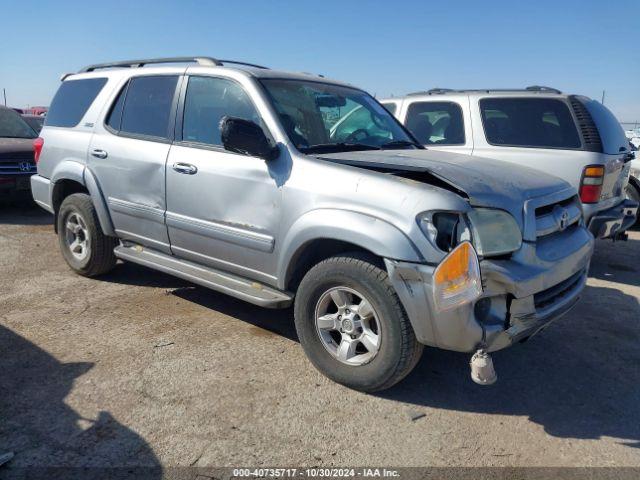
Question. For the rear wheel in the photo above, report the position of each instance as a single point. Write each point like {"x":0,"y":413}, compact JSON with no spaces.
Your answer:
{"x":86,"y":249}
{"x":352,"y":325}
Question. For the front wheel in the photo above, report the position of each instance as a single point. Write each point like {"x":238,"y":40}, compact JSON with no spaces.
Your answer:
{"x":86,"y":249}
{"x":352,"y":326}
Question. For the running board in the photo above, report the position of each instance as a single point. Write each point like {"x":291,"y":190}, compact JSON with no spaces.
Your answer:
{"x":236,"y":286}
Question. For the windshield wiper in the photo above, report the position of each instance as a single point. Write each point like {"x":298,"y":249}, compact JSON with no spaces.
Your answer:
{"x":337,"y":147}
{"x":399,"y":144}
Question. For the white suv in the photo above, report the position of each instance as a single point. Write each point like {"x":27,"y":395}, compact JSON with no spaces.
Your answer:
{"x":571,"y":136}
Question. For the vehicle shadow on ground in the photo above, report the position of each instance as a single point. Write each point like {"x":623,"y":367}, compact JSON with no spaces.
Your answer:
{"x":26,"y":213}
{"x":577,"y":379}
{"x":617,"y":262}
{"x":279,"y":322}
{"x":44,"y":432}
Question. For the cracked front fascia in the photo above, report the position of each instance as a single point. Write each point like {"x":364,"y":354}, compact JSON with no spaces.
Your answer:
{"x":454,"y":329}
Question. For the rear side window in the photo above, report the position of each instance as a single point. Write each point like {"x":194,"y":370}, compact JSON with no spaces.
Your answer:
{"x":529,"y":122}
{"x":72,"y":100}
{"x":436,"y":123}
{"x":144,"y":106}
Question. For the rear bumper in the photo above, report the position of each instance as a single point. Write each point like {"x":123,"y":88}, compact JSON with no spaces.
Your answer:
{"x":615,"y":220}
{"x":521,"y":295}
{"x":41,"y":192}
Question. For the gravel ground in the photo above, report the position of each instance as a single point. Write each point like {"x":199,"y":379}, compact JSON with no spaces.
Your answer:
{"x":139,"y":368}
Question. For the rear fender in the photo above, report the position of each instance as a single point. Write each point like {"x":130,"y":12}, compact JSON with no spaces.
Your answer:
{"x":77,"y":172}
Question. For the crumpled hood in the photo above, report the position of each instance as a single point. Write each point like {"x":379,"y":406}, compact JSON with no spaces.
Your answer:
{"x":487,"y":182}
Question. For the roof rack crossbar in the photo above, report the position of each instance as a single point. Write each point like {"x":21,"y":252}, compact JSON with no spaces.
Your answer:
{"x":439,"y":91}
{"x":203,"y":61}
{"x":542,"y":88}
{"x":235,"y":62}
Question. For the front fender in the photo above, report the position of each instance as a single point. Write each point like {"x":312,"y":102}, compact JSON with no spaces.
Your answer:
{"x":378,"y":236}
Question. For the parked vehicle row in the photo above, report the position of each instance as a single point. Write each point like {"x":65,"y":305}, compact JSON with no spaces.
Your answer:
{"x":571,"y":136}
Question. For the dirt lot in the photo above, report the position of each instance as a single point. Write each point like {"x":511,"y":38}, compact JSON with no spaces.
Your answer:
{"x":139,"y":368}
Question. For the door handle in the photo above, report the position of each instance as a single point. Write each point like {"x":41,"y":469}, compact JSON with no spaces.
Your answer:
{"x":99,"y":153}
{"x":185,"y":168}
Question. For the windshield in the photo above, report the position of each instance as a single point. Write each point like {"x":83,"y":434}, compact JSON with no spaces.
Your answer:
{"x":320,"y":117}
{"x":12,"y":126}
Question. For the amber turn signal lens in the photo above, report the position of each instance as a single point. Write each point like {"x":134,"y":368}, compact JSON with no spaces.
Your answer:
{"x":457,"y":279}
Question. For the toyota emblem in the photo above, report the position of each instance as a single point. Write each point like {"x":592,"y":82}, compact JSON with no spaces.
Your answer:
{"x":561,"y":216}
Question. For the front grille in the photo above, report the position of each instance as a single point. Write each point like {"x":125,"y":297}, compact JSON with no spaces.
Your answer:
{"x":558,"y":216}
{"x":17,"y":167}
{"x":590,"y":133}
{"x":558,"y":292}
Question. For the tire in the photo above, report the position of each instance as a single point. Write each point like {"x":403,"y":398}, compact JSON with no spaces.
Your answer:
{"x":77,"y":221}
{"x":398,"y":351}
{"x":633,"y":193}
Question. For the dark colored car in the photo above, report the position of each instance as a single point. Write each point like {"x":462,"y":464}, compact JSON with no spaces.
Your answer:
{"x":35,"y":121}
{"x":16,"y":155}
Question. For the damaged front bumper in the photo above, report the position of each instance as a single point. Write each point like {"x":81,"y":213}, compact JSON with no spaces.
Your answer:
{"x":521,"y":295}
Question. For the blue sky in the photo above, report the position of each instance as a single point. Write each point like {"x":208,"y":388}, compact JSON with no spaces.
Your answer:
{"x":386,"y":47}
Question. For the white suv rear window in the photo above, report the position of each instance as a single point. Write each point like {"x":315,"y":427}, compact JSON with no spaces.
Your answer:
{"x":529,"y":122}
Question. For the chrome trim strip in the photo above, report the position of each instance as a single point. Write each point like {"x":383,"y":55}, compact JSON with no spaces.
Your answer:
{"x":136,"y":210}
{"x":219,"y":231}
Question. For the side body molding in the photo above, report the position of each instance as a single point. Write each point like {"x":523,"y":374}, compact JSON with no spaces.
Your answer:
{"x":373,"y":234}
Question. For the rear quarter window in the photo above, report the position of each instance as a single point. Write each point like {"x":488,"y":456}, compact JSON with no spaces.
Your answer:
{"x":72,"y":100}
{"x":529,"y":122}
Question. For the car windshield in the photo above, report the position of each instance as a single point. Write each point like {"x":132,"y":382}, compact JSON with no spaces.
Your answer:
{"x":320,"y":117}
{"x":13,"y":126}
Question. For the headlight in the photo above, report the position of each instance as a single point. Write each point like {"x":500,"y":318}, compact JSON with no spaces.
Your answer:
{"x":445,"y":230}
{"x":495,"y":232}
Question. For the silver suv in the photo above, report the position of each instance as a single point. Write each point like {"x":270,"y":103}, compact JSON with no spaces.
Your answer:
{"x":239,"y":178}
{"x":571,"y":136}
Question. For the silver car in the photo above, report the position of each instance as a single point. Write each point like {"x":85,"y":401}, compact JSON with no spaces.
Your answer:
{"x":571,"y":136}
{"x":232,"y":176}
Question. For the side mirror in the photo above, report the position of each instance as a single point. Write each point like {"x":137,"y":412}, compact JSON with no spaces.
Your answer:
{"x":246,"y":137}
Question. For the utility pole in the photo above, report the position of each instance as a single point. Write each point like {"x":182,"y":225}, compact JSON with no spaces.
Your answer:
{"x":4,"y":93}
{"x":602,"y":102}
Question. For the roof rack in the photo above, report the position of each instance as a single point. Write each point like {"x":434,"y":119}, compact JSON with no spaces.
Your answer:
{"x":203,"y":61}
{"x":440,"y":91}
{"x":541,"y":88}
{"x":433,"y":91}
